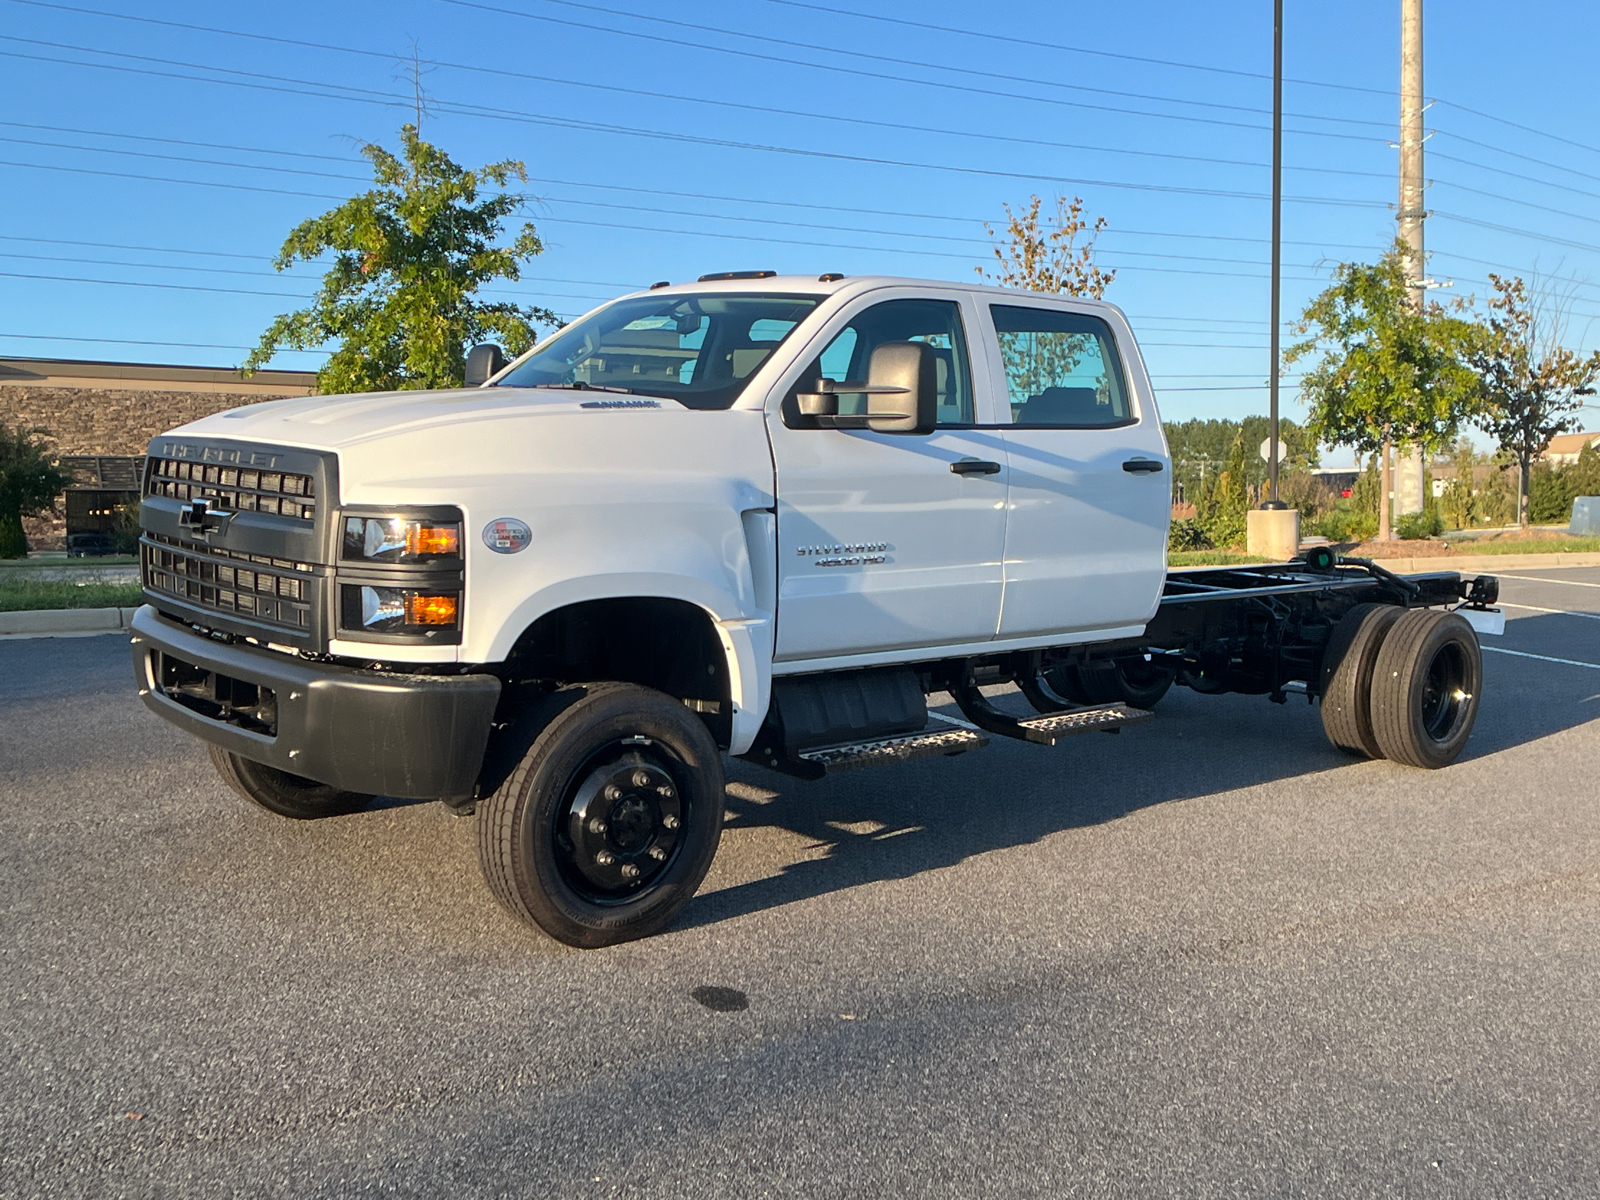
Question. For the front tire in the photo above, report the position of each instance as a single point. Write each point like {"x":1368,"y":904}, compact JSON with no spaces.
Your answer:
{"x":1425,"y":688}
{"x":608,"y":825}
{"x":292,"y":796}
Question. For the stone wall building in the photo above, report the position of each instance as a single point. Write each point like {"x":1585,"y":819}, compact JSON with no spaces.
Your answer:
{"x":97,"y":413}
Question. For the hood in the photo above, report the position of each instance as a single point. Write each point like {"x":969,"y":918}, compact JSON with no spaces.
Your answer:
{"x":341,"y":422}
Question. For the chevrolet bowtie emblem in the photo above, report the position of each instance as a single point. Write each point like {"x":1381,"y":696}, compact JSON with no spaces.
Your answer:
{"x":199,"y":517}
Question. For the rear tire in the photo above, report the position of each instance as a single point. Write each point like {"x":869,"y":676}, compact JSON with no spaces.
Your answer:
{"x":292,"y":796}
{"x":608,"y":825}
{"x":1347,"y":672}
{"x":1425,"y":688}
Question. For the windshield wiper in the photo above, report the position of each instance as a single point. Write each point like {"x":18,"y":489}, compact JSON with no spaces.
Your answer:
{"x":580,"y":386}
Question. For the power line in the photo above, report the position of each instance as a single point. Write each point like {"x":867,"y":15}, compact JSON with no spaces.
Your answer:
{"x":1041,"y":45}
{"x":972,"y":72}
{"x":1112,"y":232}
{"x":1524,"y":128}
{"x":387,"y":100}
{"x":56,"y":337}
{"x":933,"y":83}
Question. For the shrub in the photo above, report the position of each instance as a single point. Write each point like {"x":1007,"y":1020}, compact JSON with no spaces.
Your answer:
{"x":1187,"y":535}
{"x":1346,"y":525}
{"x":1414,"y":526}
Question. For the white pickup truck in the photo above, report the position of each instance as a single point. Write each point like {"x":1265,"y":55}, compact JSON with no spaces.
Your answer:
{"x":757,"y":515}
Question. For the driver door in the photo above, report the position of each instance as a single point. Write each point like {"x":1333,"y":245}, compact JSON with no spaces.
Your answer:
{"x":882,"y":546}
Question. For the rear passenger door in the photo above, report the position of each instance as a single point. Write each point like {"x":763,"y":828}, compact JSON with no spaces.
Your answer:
{"x":1089,"y":477}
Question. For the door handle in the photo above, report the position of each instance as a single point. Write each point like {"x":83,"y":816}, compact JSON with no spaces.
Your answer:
{"x":974,"y":466}
{"x":1140,"y":466}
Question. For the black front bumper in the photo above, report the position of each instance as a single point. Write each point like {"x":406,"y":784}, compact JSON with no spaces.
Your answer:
{"x":416,"y":737}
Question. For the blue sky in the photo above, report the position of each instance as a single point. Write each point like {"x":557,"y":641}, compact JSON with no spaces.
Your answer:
{"x":664,"y":141}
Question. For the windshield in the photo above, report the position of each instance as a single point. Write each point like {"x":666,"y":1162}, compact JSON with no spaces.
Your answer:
{"x":698,"y":350}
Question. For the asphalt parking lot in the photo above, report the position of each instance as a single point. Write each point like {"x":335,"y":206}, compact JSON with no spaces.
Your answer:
{"x":1210,"y":956}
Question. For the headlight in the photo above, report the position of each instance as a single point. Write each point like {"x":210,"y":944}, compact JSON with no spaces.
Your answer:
{"x":401,"y":576}
{"x":400,"y":540}
{"x":398,"y":610}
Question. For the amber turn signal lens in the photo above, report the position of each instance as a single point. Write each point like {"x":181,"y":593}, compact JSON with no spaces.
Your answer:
{"x":424,"y":540}
{"x":430,"y":610}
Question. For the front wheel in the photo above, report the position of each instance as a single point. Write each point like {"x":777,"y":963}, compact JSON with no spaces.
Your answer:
{"x":608,"y":825}
{"x":292,"y":796}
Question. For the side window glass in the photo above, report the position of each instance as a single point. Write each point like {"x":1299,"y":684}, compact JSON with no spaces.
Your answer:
{"x":847,"y":357}
{"x":1062,"y":368}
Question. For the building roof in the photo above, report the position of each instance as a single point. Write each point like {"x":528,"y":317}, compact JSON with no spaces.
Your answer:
{"x":152,"y":377}
{"x":1571,"y":443}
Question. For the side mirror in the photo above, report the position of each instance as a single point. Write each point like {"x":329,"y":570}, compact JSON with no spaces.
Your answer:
{"x":483,"y":363}
{"x":903,"y":390}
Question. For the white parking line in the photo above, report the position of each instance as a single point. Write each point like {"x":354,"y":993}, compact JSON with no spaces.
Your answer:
{"x":1565,"y":612}
{"x":1567,"y":662}
{"x":1538,"y":579}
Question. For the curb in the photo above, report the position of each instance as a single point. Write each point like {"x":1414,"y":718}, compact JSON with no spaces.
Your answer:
{"x":1486,"y":564}
{"x":65,"y":622}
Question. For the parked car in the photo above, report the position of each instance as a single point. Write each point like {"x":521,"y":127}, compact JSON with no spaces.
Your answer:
{"x":90,"y":545}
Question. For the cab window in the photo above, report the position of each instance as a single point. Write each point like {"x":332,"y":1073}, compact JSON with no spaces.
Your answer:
{"x":846,"y":357}
{"x":1062,"y":368}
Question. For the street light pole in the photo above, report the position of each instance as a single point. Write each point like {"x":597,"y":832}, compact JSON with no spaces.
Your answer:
{"x":1277,"y":247}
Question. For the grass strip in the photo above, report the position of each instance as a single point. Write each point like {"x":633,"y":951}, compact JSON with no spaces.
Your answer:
{"x":29,"y":595}
{"x":1210,"y":558}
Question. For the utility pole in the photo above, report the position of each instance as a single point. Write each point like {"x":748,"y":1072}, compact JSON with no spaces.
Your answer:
{"x":1273,"y":529}
{"x":1277,"y":249}
{"x":1407,"y":490}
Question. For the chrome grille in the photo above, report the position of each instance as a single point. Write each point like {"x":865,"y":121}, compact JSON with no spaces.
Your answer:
{"x":255,"y":586}
{"x":234,"y":489}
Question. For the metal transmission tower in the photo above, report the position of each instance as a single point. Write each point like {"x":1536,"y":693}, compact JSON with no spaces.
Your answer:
{"x":1411,"y":214}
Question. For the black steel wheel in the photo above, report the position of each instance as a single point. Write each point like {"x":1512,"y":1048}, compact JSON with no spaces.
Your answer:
{"x":292,"y":796}
{"x":1425,"y":688}
{"x":1348,"y":662}
{"x":608,"y":825}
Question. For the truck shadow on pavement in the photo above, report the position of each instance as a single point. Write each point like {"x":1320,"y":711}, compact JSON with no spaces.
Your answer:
{"x":896,"y":822}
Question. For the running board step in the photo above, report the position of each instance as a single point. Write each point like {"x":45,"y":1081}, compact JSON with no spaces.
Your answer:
{"x":1046,"y":731}
{"x":883,"y":751}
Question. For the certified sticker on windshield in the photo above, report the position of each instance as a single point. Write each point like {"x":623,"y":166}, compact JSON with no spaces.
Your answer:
{"x":507,"y":535}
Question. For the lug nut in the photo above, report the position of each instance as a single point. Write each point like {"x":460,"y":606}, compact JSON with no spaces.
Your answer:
{"x":664,"y":790}
{"x":657,"y":853}
{"x":670,"y":822}
{"x":597,"y":826}
{"x":604,"y":858}
{"x":641,"y":779}
{"x":629,"y":871}
{"x":613,"y":792}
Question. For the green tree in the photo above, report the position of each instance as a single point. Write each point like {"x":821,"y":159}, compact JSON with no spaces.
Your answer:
{"x":1533,"y":385}
{"x":1458,"y":503}
{"x":408,"y":257}
{"x":1223,"y":517}
{"x":30,"y":481}
{"x":1389,"y":373}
